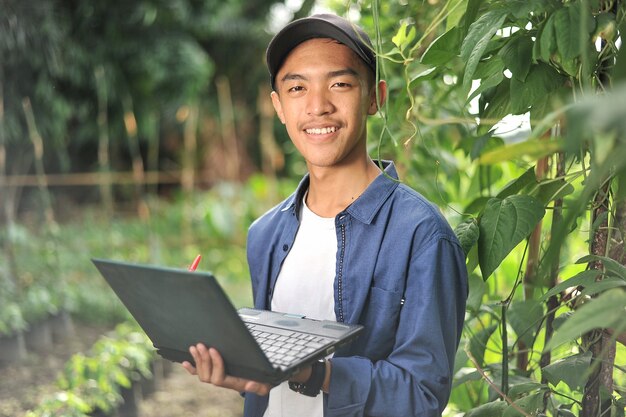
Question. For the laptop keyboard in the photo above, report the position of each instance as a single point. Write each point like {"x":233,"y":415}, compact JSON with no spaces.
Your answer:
{"x":282,"y":347}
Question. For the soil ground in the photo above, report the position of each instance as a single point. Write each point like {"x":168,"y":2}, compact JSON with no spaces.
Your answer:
{"x":24,"y":385}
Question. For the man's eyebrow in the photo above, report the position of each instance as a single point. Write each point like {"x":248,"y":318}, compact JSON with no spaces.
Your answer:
{"x":342,"y":72}
{"x":293,"y":76}
{"x":332,"y":74}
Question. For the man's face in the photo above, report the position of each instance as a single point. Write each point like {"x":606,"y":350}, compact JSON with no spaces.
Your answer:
{"x":323,"y":98}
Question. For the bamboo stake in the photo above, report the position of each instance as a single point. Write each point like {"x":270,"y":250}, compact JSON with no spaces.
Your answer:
{"x":37,"y":142}
{"x":227,"y":123}
{"x":190,"y":142}
{"x":273,"y":159}
{"x":153,"y":150}
{"x":552,"y":303}
{"x":104,"y":165}
{"x":130,"y":124}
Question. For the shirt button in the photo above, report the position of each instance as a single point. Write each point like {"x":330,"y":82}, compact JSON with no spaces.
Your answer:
{"x":285,"y":247}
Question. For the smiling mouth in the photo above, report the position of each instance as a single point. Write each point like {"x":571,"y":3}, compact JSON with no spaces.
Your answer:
{"x":321,"y":131}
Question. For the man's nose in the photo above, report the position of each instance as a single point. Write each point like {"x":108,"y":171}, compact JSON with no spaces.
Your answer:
{"x":319,"y":102}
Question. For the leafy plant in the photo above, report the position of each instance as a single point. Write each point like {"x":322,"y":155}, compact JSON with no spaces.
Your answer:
{"x":519,"y":199}
{"x":94,"y":381}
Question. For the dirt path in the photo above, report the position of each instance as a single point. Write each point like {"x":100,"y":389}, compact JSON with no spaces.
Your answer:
{"x":181,"y":395}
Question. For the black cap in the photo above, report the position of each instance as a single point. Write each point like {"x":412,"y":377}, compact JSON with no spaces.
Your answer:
{"x":318,"y":26}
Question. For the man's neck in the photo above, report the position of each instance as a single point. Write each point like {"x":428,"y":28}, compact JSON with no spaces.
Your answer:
{"x":331,"y":190}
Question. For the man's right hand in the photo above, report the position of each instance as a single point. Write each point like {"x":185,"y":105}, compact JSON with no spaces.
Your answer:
{"x":210,"y":369}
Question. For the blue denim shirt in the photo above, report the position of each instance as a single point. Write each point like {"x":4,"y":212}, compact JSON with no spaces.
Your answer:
{"x":401,"y":273}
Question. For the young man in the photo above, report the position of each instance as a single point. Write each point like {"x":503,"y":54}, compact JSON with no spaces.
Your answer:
{"x":352,"y":244}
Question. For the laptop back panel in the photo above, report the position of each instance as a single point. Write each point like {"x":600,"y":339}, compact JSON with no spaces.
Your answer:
{"x":177,"y":308}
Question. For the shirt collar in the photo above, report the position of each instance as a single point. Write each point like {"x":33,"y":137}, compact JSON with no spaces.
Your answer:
{"x":367,"y":205}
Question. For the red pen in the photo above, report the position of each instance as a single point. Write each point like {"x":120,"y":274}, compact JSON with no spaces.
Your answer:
{"x":195,"y":263}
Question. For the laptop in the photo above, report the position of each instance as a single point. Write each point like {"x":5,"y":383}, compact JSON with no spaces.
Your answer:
{"x":177,"y":308}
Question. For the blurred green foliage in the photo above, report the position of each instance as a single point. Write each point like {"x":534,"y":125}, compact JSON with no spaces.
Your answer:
{"x":212,"y":223}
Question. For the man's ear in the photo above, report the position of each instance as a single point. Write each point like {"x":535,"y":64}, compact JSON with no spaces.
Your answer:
{"x":278,"y":106}
{"x":382,"y":96}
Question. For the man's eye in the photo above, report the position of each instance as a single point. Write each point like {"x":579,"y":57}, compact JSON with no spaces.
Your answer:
{"x":342,"y":85}
{"x":296,"y":88}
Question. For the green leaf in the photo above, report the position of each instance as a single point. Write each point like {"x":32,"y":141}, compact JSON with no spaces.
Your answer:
{"x":547,"y":39}
{"x":612,"y":267}
{"x":525,"y":388}
{"x":489,"y":67}
{"x":524,"y":8}
{"x":550,"y":190}
{"x":478,"y":37}
{"x":534,"y":148}
{"x":571,"y":370}
{"x":594,"y":116}
{"x":619,"y":70}
{"x":606,"y":311}
{"x":403,"y":38}
{"x":443,"y":49}
{"x":517,"y":56}
{"x":531,"y":404}
{"x":476,"y":145}
{"x":477,"y":290}
{"x":605,"y":26}
{"x":504,"y":224}
{"x":477,"y":205}
{"x":492,"y":409}
{"x":490,"y":82}
{"x":465,"y":375}
{"x":471,"y":11}
{"x":456,"y":9}
{"x":467,"y":232}
{"x":478,"y":343}
{"x":494,"y":104}
{"x":567,"y":29}
{"x":428,"y":74}
{"x":540,"y":81}
{"x":603,"y":285}
{"x":583,"y":278}
{"x":518,"y":184}
{"x":460,"y":360}
{"x":524,"y":317}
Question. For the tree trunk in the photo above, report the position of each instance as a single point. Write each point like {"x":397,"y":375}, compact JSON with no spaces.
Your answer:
{"x":599,"y":342}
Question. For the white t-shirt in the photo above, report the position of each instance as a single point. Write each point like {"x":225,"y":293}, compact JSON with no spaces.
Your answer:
{"x":305,"y":286}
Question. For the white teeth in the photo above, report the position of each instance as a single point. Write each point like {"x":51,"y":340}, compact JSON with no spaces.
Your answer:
{"x":321,"y":131}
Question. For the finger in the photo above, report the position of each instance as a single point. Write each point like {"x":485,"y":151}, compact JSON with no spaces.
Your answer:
{"x":204,"y":364}
{"x":219,"y":371}
{"x":219,"y":376}
{"x":189,"y":368}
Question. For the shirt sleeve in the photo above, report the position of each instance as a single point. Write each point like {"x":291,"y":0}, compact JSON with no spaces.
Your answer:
{"x":415,"y":378}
